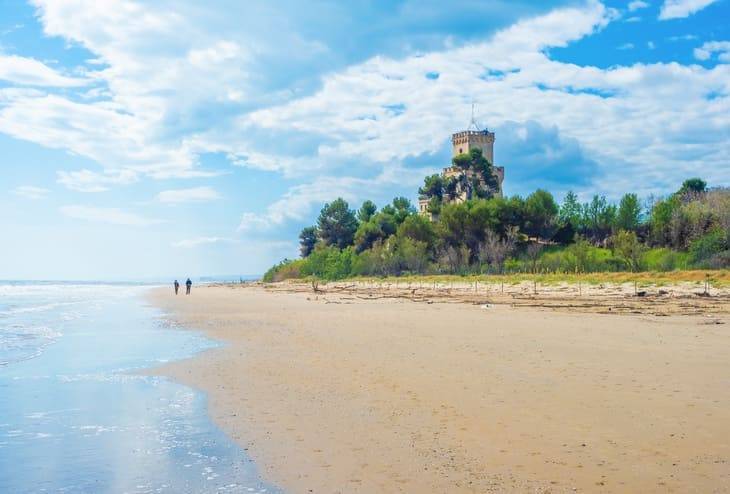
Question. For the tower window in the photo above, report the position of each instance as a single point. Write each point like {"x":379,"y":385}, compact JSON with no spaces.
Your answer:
{"x":460,"y":151}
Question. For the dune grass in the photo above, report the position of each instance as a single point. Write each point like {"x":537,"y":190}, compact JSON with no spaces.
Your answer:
{"x":717,"y":278}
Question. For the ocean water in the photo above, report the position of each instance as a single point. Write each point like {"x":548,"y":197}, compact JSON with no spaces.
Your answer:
{"x":76,"y":417}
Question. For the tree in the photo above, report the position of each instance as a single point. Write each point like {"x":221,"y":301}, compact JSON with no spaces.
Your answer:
{"x":533,"y":254}
{"x":629,"y":210}
{"x":307,"y":240}
{"x":419,"y":228}
{"x":367,"y":210}
{"x":433,"y":186}
{"x":541,"y":213}
{"x":570,"y":210}
{"x":495,"y":250}
{"x":627,"y":247}
{"x":337,"y":224}
{"x":480,"y":166}
{"x":402,"y":208}
{"x":693,"y":186}
{"x":581,"y":250}
{"x":599,"y":216}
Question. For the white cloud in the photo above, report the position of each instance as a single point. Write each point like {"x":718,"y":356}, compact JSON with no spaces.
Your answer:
{"x":299,"y":201}
{"x":90,"y":181}
{"x":112,"y":216}
{"x":31,"y":192}
{"x":193,"y":194}
{"x":626,"y":46}
{"x":676,"y":9}
{"x":708,"y":49}
{"x":175,"y":86}
{"x":31,"y":72}
{"x":637,"y":4}
{"x":657,"y":121}
{"x":198,"y":241}
{"x":684,"y":37}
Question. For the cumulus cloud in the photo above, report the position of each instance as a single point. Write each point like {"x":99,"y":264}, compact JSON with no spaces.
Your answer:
{"x":31,"y":192}
{"x":355,"y":130}
{"x":642,"y":121}
{"x":676,"y":9}
{"x":710,"y":48}
{"x":636,"y":5}
{"x":192,"y":194}
{"x":31,"y":72}
{"x":111,"y":216}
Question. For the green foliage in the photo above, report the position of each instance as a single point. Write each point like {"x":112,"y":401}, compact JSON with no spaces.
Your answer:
{"x":285,"y":270}
{"x":337,"y":224}
{"x":366,"y":211}
{"x":689,"y":229}
{"x":626,"y":246}
{"x":693,"y":185}
{"x":629,"y":211}
{"x":433,"y":187}
{"x":571,"y":211}
{"x":541,"y":214}
{"x":704,"y":249}
{"x":307,"y":240}
{"x":664,"y":259}
{"x":402,"y":209}
{"x":329,"y":263}
{"x":419,"y":228}
{"x":661,"y":217}
{"x":598,"y":217}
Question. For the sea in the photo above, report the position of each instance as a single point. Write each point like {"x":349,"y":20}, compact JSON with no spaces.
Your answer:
{"x":77,"y":415}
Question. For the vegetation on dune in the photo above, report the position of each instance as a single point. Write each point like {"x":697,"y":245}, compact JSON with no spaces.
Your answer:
{"x":689,"y":229}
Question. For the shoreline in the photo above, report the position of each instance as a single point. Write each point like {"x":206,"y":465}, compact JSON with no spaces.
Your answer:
{"x":331,"y":391}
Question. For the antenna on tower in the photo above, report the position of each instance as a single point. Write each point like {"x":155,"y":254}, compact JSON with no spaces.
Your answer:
{"x":473,"y":121}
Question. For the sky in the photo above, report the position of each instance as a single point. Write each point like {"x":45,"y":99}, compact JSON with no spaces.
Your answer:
{"x":161,"y":139}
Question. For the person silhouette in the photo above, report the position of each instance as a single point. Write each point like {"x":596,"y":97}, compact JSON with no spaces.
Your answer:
{"x":177,"y":286}
{"x":188,"y":284}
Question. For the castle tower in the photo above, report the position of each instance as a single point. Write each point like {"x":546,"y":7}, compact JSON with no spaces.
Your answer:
{"x":466,"y":140}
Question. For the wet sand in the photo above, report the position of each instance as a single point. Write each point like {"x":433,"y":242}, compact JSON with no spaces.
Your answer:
{"x":367,"y":390}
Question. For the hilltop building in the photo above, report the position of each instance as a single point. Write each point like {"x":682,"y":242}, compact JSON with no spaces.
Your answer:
{"x":466,"y":183}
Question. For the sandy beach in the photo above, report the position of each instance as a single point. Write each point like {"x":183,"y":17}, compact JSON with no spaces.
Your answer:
{"x":398,"y":389}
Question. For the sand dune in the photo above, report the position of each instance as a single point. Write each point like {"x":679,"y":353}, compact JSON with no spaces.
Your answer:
{"x":345,"y":392}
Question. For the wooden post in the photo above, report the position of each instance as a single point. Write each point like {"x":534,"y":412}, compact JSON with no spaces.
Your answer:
{"x":534,"y":286}
{"x":707,"y":283}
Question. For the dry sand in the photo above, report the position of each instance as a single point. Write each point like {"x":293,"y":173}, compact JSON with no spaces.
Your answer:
{"x":338,"y":392}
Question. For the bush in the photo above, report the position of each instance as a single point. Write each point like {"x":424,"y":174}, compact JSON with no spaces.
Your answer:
{"x":706,"y":247}
{"x":664,"y":259}
{"x":285,"y":270}
{"x":329,"y":263}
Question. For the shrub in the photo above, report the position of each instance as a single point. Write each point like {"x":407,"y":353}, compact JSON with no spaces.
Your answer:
{"x":664,"y":259}
{"x":707,"y":247}
{"x":285,"y":270}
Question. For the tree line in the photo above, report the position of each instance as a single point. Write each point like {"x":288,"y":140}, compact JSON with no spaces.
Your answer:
{"x":687,"y":229}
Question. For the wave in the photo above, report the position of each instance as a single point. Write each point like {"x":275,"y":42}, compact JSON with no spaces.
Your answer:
{"x":20,"y":342}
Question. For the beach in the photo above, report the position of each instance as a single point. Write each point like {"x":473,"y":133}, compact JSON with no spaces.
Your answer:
{"x":370,"y":388}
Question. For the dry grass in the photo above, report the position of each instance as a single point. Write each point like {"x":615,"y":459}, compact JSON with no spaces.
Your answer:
{"x":717,"y":278}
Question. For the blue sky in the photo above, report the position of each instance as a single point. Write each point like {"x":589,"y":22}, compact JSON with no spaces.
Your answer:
{"x":179,"y":138}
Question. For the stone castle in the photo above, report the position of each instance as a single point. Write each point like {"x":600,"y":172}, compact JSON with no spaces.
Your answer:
{"x":462,"y":143}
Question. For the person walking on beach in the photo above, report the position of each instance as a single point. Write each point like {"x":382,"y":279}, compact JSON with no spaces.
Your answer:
{"x":188,"y":284}
{"x":177,"y":286}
